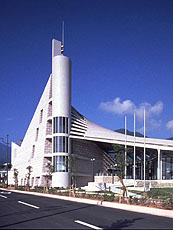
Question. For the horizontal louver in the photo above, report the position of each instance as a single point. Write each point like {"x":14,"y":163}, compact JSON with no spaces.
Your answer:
{"x":78,"y":124}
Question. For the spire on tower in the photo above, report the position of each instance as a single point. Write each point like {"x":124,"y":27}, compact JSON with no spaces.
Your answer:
{"x":62,"y":43}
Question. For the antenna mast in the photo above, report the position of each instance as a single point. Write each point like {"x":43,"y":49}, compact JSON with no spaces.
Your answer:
{"x":62,"y":43}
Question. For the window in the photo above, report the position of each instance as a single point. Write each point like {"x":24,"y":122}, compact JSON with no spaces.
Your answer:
{"x":60,"y":125}
{"x":36,"y":135}
{"x":60,"y":144}
{"x":50,"y":89}
{"x":49,"y":109}
{"x":167,"y":166}
{"x":33,"y":151}
{"x":41,"y":116}
{"x":60,"y":163}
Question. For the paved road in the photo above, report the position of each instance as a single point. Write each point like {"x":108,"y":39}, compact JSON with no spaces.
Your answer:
{"x":33,"y":212}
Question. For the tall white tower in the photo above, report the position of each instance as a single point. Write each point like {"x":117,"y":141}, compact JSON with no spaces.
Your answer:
{"x":61,"y":113}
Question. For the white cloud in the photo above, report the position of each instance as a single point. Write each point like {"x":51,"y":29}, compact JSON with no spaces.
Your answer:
{"x":169,"y":125}
{"x":117,"y":107}
{"x":151,"y":110}
{"x":127,"y":107}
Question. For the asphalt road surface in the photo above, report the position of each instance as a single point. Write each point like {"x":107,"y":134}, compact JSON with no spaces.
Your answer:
{"x":35,"y":212}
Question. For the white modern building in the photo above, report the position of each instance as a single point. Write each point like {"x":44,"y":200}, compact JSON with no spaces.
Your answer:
{"x":58,"y":133}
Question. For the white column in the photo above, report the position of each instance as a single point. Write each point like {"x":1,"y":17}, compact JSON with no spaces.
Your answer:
{"x":61,"y":111}
{"x":144,"y":149}
{"x":134,"y":155}
{"x":125,"y":147}
{"x":158,"y":164}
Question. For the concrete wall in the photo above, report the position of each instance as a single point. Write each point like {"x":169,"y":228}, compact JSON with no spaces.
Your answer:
{"x":85,"y":151}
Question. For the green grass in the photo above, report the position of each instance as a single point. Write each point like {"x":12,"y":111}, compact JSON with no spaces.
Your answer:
{"x":160,"y":193}
{"x":156,"y":193}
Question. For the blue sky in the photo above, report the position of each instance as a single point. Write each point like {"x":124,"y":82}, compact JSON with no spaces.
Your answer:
{"x":121,"y":54}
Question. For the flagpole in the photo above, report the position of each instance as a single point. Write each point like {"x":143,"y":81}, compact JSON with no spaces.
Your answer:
{"x":125,"y":147}
{"x":134,"y":161}
{"x":144,"y":149}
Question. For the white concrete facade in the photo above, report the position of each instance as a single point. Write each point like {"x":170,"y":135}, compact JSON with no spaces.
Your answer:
{"x":31,"y":151}
{"x":61,"y":111}
{"x":55,"y":123}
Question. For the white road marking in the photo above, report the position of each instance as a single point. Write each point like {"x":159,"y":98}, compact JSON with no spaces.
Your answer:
{"x":33,"y":206}
{"x":5,"y":192}
{"x":3,"y":196}
{"x":88,"y":225}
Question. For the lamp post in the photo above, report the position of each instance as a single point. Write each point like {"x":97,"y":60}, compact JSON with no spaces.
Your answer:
{"x":6,"y":143}
{"x":92,"y":161}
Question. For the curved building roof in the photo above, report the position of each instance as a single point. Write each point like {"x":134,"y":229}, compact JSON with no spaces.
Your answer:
{"x":83,"y":128}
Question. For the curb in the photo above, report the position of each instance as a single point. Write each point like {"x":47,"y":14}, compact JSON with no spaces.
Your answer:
{"x":132,"y":208}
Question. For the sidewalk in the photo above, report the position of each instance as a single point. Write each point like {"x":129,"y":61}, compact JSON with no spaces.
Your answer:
{"x":127,"y":207}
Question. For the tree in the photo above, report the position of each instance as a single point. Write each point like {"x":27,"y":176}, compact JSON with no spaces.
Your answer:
{"x":72,"y":161}
{"x":48,"y":176}
{"x":120,"y":164}
{"x":15,"y":177}
{"x":3,"y":176}
{"x":28,"y":176}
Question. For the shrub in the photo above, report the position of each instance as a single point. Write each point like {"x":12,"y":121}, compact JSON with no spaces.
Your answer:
{"x":108,"y":197}
{"x":52,"y":190}
{"x":38,"y":189}
{"x":134,"y":200}
{"x":168,"y":203}
{"x":22,"y":188}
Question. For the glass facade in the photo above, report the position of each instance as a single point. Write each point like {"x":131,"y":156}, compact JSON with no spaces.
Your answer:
{"x":60,"y":144}
{"x":60,"y":163}
{"x":60,"y":125}
{"x":152,"y":172}
{"x":167,"y":166}
{"x":151,"y":163}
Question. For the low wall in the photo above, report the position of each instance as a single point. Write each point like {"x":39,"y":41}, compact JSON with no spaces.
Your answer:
{"x":106,"y":179}
{"x":138,"y":183}
{"x":155,"y":183}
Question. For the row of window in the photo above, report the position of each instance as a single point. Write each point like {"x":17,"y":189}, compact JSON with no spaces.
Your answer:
{"x":60,"y":163}
{"x":60,"y":144}
{"x":60,"y":125}
{"x":40,"y":121}
{"x":31,"y":182}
